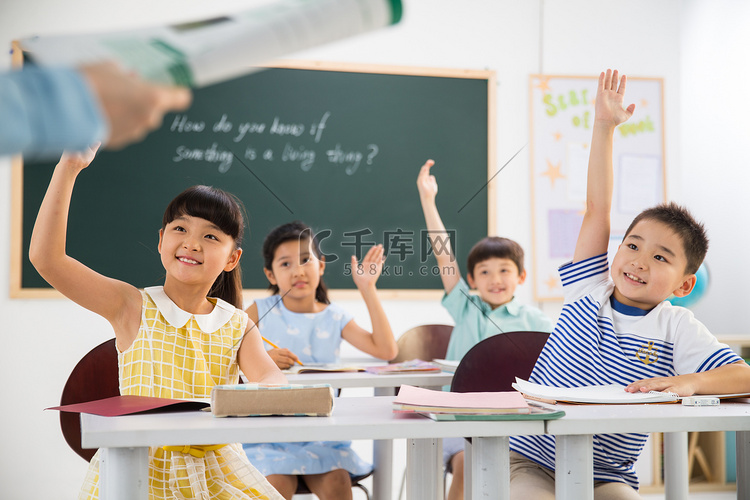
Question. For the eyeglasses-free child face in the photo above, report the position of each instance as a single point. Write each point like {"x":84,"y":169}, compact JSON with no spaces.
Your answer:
{"x":649,"y":266}
{"x":195,"y":251}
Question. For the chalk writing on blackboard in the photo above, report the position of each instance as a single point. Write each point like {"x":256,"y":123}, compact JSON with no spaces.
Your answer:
{"x":244,"y":132}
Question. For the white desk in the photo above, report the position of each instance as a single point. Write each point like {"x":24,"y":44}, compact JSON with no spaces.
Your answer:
{"x":383,"y":385}
{"x":125,"y":440}
{"x":574,"y":454}
{"x":386,"y":383}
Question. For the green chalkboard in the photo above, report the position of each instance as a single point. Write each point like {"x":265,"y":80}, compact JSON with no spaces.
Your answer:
{"x":339,"y":149}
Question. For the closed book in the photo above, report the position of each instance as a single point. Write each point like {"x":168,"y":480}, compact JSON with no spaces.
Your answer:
{"x":411,"y":366}
{"x":257,"y":400}
{"x":419,"y":400}
{"x":323,"y":368}
{"x":538,"y":412}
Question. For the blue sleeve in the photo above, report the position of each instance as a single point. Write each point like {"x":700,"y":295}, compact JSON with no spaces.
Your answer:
{"x":46,"y":110}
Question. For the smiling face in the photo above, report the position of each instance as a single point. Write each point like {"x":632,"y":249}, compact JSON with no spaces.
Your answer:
{"x":649,"y":266}
{"x":496,"y":280}
{"x":295,"y":269}
{"x":195,"y":251}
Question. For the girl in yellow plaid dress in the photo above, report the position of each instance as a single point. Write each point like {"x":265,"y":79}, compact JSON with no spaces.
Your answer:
{"x":174,"y":341}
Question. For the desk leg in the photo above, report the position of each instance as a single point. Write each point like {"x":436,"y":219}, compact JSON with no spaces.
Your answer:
{"x":676,"y":465}
{"x":574,"y":467}
{"x":423,"y":459}
{"x":382,"y":459}
{"x":123,"y":474}
{"x":468,"y":475}
{"x":743,"y":463}
{"x":490,"y":475}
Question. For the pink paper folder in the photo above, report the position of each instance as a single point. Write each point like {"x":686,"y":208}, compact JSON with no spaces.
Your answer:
{"x":415,"y":399}
{"x":128,"y":405}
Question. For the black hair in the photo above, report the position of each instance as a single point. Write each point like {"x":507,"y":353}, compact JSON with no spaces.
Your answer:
{"x":495,"y":247}
{"x":681,"y":221}
{"x":225,"y":211}
{"x":293,"y":231}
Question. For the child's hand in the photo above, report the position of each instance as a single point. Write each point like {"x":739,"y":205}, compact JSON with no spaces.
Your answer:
{"x":283,"y":357}
{"x":366,"y":273}
{"x":681,"y":385}
{"x":426,"y":183}
{"x":609,"y":99}
{"x":79,"y":160}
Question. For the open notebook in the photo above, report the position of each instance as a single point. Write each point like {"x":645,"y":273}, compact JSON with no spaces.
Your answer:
{"x":600,"y":394}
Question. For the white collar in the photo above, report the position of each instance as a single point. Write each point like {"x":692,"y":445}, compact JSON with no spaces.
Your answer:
{"x":209,"y":323}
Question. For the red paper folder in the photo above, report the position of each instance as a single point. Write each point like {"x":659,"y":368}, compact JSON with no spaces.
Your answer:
{"x":129,"y":405}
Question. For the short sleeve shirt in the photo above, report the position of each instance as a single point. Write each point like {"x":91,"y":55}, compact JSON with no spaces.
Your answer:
{"x":476,"y":320}
{"x":591,"y":346}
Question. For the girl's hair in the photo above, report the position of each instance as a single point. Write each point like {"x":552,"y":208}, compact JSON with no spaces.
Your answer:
{"x":296,"y":230}
{"x":225,"y":211}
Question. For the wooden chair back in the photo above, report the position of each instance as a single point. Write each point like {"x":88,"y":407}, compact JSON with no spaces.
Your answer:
{"x":94,"y":377}
{"x":425,"y":342}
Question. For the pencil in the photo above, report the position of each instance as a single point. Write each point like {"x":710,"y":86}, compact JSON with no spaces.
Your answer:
{"x":277,"y":347}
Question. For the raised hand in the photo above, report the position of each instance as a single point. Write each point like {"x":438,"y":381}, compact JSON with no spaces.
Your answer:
{"x":79,"y":160}
{"x":366,"y":273}
{"x":609,"y":99}
{"x":133,"y":106}
{"x":426,"y":183}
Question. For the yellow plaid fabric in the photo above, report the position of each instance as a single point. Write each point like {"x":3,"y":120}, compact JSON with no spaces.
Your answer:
{"x":186,"y":362}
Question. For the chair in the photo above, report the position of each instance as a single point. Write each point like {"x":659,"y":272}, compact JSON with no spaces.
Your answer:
{"x":302,"y":488}
{"x":493,"y":364}
{"x":96,"y":377}
{"x":425,"y":342}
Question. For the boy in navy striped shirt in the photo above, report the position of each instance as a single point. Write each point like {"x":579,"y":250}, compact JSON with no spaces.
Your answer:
{"x":619,"y":328}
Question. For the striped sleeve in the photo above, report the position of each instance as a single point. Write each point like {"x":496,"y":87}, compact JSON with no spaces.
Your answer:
{"x":579,"y":278}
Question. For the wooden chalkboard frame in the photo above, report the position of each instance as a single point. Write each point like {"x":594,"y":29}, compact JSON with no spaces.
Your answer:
{"x":487,"y":195}
{"x":546,"y":283}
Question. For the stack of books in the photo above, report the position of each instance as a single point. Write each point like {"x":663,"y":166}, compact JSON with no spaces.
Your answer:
{"x":442,"y":405}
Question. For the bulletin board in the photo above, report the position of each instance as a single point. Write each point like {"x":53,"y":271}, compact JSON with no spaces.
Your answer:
{"x":562,"y":116}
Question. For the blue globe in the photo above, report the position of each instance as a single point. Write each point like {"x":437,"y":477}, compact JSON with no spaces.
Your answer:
{"x":699,"y":290}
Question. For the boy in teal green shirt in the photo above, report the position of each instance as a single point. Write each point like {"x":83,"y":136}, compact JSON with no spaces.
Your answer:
{"x":495,"y":269}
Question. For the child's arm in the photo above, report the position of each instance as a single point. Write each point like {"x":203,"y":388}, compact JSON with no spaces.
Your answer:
{"x":593,"y":239}
{"x":254,"y":361}
{"x":380,"y":343}
{"x":283,"y":357}
{"x":118,"y":302}
{"x":728,"y":379}
{"x":441,"y":245}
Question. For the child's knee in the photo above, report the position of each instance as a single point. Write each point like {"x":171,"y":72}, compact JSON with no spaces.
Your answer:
{"x":334,"y":482}
{"x":457,"y":463}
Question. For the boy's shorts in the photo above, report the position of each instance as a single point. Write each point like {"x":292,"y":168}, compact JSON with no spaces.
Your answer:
{"x":528,"y":479}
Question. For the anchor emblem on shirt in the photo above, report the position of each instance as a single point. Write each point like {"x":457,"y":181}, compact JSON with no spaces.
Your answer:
{"x":646,"y":353}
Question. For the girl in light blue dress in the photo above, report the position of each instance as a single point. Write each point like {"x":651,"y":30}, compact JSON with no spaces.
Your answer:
{"x":300,"y":319}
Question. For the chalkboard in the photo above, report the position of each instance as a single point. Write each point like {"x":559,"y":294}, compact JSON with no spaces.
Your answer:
{"x":562,"y":114}
{"x":338,"y":147}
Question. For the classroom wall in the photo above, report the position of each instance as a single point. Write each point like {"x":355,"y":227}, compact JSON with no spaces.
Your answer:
{"x":43,"y":339}
{"x":715,"y":130}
